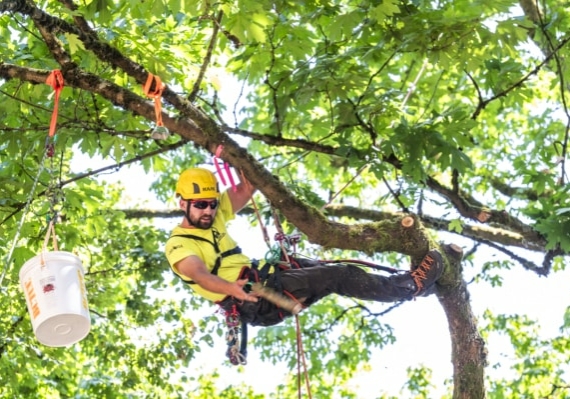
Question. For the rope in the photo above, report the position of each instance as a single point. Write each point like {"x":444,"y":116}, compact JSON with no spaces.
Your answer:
{"x":8,"y":259}
{"x":263,"y":229}
{"x":50,"y":232}
{"x":274,"y":255}
{"x":300,"y":351}
{"x":301,"y":358}
{"x":55,"y":80}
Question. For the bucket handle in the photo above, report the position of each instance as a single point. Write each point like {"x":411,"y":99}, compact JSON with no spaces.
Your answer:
{"x":50,"y":231}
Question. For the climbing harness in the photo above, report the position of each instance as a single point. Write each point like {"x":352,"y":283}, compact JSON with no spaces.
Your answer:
{"x":214,"y":243}
{"x":237,"y":348}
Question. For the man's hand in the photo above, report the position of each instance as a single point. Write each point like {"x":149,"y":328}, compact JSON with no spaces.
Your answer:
{"x":195,"y":269}
{"x":240,"y":197}
{"x":241,"y":294}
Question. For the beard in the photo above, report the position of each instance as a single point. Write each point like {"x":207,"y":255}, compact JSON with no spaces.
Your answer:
{"x":203,"y":222}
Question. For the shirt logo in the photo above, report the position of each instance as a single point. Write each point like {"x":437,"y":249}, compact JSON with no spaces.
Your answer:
{"x":174,"y":248}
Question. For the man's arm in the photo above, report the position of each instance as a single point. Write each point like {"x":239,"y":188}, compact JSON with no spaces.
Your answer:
{"x":194,"y":268}
{"x":243,"y":193}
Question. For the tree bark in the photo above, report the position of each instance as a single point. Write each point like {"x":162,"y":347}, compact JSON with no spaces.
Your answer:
{"x":468,"y":351}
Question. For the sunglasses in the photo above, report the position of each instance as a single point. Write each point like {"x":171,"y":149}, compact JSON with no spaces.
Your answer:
{"x":202,"y":204}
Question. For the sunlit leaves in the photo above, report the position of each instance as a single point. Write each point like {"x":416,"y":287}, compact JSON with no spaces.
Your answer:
{"x":538,"y":364}
{"x":378,"y":95}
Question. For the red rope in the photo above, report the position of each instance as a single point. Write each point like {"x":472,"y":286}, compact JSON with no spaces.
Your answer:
{"x":301,"y":358}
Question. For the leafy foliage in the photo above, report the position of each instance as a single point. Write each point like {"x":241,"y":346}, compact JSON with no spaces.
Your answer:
{"x":351,"y":111}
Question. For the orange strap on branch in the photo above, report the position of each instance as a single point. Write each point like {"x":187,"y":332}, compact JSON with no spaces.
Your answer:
{"x":55,"y":80}
{"x":153,"y":88}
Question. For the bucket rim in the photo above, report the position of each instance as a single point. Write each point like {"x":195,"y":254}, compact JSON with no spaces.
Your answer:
{"x":50,"y":256}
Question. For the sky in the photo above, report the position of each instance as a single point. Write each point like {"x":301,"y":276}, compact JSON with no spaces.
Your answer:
{"x":420,"y":326}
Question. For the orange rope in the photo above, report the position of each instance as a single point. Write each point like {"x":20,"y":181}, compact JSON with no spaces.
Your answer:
{"x":300,"y":351}
{"x":156,"y":94}
{"x":55,"y":80}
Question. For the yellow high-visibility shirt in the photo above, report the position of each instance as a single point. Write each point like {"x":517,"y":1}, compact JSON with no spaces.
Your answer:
{"x":178,"y":248}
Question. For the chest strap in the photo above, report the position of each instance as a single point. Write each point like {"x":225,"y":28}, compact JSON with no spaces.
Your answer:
{"x":220,"y":255}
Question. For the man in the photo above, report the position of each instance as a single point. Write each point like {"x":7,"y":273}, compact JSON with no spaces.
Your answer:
{"x":201,"y":252}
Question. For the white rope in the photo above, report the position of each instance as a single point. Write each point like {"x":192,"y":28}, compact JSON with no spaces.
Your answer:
{"x":25,"y":211}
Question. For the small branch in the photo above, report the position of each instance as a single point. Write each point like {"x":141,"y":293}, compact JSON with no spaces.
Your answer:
{"x":274,"y":89}
{"x":483,"y":103}
{"x":150,"y":213}
{"x":119,"y":165}
{"x":541,"y":271}
{"x":116,"y":167}
{"x":207,"y":58}
{"x":346,"y":310}
{"x":395,"y":195}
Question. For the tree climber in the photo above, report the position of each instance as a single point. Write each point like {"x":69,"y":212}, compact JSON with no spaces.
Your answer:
{"x":201,"y":252}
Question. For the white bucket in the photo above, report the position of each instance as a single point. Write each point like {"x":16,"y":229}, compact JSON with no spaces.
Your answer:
{"x":55,"y":293}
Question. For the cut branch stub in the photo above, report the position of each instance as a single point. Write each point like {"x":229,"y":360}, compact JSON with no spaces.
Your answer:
{"x":407,"y":221}
{"x":483,"y":216}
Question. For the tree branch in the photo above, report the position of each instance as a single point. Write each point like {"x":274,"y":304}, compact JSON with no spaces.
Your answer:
{"x":196,"y":88}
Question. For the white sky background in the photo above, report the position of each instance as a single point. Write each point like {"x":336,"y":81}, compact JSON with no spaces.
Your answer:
{"x":420,"y":326}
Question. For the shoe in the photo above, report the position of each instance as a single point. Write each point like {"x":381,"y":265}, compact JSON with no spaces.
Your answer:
{"x":427,"y":272}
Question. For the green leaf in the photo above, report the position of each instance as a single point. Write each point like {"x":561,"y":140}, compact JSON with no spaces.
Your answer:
{"x":74,"y":43}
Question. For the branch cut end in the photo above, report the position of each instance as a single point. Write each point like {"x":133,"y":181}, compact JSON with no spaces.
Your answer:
{"x":408,"y":221}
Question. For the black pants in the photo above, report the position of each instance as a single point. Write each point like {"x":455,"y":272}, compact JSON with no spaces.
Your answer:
{"x":310,"y":284}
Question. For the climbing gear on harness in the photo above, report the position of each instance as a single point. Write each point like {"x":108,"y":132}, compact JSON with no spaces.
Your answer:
{"x":214,"y":243}
{"x":236,"y":352}
{"x":197,"y":183}
{"x":427,"y":272}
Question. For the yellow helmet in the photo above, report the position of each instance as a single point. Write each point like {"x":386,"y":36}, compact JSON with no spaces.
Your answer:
{"x":197,"y":183}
